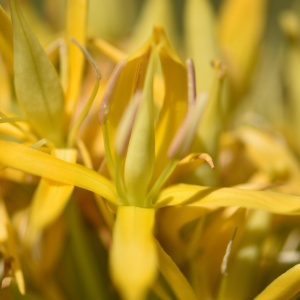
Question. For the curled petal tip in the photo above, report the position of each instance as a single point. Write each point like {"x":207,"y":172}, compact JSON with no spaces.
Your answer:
{"x":208,"y":159}
{"x":108,"y":95}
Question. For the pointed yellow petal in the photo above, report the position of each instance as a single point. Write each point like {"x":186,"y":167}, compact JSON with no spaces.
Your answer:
{"x":50,"y":197}
{"x":175,"y":101}
{"x":173,"y":276}
{"x":76,"y":27}
{"x":44,"y":165}
{"x":6,"y":38}
{"x":272,"y":157}
{"x":43,"y":101}
{"x":284,"y":287}
{"x":241,"y":27}
{"x":217,"y":197}
{"x":200,"y":33}
{"x":133,"y":259}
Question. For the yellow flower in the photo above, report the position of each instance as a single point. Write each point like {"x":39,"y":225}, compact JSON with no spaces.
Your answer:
{"x":147,"y":163}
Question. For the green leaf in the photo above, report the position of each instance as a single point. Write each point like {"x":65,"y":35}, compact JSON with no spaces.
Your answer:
{"x":37,"y":85}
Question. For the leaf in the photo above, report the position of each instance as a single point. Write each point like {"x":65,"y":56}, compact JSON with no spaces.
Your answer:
{"x":133,"y":254}
{"x":192,"y":195}
{"x":38,"y":163}
{"x":36,"y":83}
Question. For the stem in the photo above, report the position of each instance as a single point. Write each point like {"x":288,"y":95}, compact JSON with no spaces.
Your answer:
{"x":109,"y":158}
{"x":83,"y":114}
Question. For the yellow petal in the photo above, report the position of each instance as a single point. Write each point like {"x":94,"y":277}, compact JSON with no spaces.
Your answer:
{"x":200,"y":33}
{"x":284,"y":287}
{"x":241,"y":27}
{"x":43,"y":101}
{"x":272,"y":157}
{"x":175,"y":101}
{"x":193,"y":195}
{"x":133,"y":259}
{"x":173,"y":276}
{"x":76,"y":27}
{"x":51,"y":197}
{"x":38,"y":163}
{"x":6,"y":38}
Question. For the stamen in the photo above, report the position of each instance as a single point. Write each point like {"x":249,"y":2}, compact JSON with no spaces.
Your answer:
{"x":227,"y":253}
{"x":185,"y":135}
{"x":150,"y":199}
{"x":84,"y":112}
{"x":126,"y":124}
{"x":191,"y":82}
{"x":108,"y":95}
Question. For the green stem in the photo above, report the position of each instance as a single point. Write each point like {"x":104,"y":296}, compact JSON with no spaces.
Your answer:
{"x":83,"y":114}
{"x":108,"y":155}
